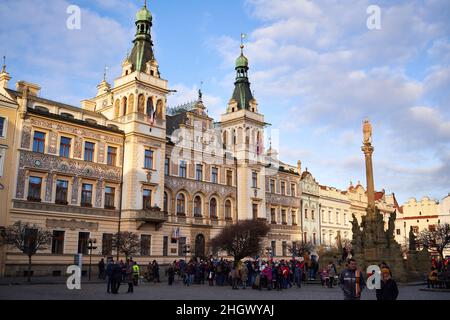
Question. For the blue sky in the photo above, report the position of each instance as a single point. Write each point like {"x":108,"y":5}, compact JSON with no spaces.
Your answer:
{"x":316,"y":69}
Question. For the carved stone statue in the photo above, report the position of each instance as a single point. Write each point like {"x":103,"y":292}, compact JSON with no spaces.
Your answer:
{"x":367,"y":131}
{"x":412,"y":240}
{"x":391,"y":228}
{"x":356,"y":242}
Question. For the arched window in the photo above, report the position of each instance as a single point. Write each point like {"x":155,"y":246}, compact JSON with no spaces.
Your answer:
{"x":166,"y":202}
{"x":225,"y":140}
{"x":213,"y":208}
{"x":117,"y":109}
{"x":181,"y":205}
{"x":159,"y":109}
{"x":150,"y":109}
{"x":124,"y":106}
{"x":141,"y":104}
{"x":197,"y":206}
{"x":131,"y":103}
{"x":228,"y":215}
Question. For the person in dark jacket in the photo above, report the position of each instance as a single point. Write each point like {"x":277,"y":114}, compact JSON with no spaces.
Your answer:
{"x":116,"y":278}
{"x":171,"y":273}
{"x":101,"y":269}
{"x":351,"y":281}
{"x":389,"y":289}
{"x":109,"y":269}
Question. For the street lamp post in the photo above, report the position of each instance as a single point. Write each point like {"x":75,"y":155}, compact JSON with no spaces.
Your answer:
{"x":91,"y":247}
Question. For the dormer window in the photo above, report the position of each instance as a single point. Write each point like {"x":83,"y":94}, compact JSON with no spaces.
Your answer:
{"x":67,"y":115}
{"x":91,"y":121}
{"x":41,"y":109}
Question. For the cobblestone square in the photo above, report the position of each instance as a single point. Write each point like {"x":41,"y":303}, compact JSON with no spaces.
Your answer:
{"x":197,"y":292}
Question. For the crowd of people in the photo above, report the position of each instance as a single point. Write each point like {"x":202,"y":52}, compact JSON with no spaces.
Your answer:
{"x":256,"y":274}
{"x":439,"y":276}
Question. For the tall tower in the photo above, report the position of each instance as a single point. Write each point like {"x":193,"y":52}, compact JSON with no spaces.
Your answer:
{"x":243,"y":136}
{"x":137,"y":103}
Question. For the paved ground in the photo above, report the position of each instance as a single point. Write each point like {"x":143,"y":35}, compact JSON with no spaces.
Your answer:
{"x":162,"y":291}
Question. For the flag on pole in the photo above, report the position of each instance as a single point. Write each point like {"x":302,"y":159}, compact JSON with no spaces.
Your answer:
{"x":151,"y":112}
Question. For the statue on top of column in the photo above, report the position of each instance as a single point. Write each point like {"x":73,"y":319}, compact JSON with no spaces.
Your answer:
{"x":367,"y":131}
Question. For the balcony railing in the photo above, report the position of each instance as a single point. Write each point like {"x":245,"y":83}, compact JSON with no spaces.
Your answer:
{"x":151,"y":215}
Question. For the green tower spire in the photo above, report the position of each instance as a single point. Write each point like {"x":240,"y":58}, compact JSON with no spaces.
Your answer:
{"x":143,"y":45}
{"x":242,"y":93}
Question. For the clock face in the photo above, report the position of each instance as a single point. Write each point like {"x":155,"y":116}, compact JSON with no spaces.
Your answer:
{"x":37,"y":163}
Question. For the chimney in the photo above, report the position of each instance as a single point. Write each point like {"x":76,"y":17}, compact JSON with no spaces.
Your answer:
{"x":299,"y":167}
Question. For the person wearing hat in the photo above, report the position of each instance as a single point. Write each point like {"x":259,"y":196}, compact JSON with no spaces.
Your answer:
{"x":389,"y":289}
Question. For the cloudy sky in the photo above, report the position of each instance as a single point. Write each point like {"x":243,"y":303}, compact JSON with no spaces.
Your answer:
{"x":316,"y":69}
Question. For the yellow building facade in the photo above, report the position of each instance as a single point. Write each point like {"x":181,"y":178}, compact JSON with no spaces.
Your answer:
{"x":124,"y":161}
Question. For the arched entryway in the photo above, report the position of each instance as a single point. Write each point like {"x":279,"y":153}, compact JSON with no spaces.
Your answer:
{"x":200,"y":246}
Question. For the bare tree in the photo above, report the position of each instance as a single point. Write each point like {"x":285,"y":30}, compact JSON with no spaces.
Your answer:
{"x":437,"y":239}
{"x":127,"y":243}
{"x":29,"y":239}
{"x":300,"y":248}
{"x":242,"y":239}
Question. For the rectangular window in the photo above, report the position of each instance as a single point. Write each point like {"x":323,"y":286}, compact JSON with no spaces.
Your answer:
{"x":109,"y":198}
{"x":2,"y":127}
{"x":398,"y":232}
{"x":39,"y":142}
{"x":255,"y":211}
{"x":167,"y":166}
{"x":112,"y":156}
{"x":229,"y":178}
{"x":293,"y":190}
{"x":254,"y":179}
{"x":199,"y":172}
{"x":284,"y":248}
{"x":215,"y":175}
{"x":329,"y":217}
{"x":30,"y":239}
{"x":283,"y":188}
{"x":273,"y":246}
{"x":145,"y":245}
{"x":62,"y":187}
{"x":283,"y":216}
{"x":182,"y":246}
{"x":83,"y":243}
{"x":182,"y":172}
{"x":58,"y":242}
{"x":89,"y":149}
{"x":107,"y":244}
{"x":294,"y":218}
{"x":147,"y":199}
{"x":64,"y":147}
{"x":272,"y":186}
{"x":273,"y":216}
{"x":314,"y":238}
{"x":305,"y":237}
{"x":313,"y":216}
{"x":432,"y":228}
{"x":34,"y":188}
{"x":337,"y":217}
{"x":306,"y":213}
{"x":86,"y":195}
{"x":148,"y":161}
{"x":2,"y":159}
{"x":165,"y":246}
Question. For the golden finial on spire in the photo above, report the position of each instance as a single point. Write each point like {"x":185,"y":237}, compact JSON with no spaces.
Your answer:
{"x":243,"y":35}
